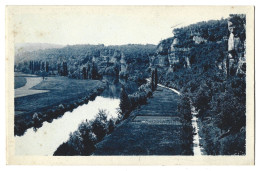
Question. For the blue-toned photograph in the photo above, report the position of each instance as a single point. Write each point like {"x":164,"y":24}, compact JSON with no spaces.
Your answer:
{"x":130,"y":81}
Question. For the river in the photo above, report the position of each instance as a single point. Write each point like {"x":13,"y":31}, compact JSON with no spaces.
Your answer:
{"x":50,"y":136}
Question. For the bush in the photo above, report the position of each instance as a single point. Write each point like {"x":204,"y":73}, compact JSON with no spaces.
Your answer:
{"x":140,"y":97}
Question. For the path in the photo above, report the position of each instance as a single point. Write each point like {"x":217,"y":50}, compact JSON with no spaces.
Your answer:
{"x":154,"y":129}
{"x":26,"y":89}
{"x":197,"y":149}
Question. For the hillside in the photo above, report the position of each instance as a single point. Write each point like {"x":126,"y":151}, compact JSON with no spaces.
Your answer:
{"x":108,"y":60}
{"x":206,"y":62}
{"x":29,"y":47}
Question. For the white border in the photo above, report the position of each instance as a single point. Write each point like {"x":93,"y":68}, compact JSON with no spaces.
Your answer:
{"x":94,"y":2}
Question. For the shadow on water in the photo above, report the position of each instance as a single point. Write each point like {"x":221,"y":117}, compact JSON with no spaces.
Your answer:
{"x":114,"y":85}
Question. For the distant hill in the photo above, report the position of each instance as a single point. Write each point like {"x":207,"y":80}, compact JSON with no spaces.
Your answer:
{"x":21,"y":48}
{"x":108,"y":59}
{"x":29,"y":47}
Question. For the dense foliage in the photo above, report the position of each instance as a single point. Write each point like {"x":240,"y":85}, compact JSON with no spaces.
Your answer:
{"x":218,"y":96}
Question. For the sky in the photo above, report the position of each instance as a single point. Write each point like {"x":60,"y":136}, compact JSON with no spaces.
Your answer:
{"x":109,"y":25}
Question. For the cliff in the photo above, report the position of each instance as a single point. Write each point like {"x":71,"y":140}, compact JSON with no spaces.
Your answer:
{"x":184,"y":48}
{"x":237,"y":44}
{"x":206,"y":62}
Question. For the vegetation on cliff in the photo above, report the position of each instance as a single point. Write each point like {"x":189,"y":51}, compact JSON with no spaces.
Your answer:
{"x":212,"y":82}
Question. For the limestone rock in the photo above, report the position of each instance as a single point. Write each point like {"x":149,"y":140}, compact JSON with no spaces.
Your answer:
{"x":187,"y":62}
{"x":123,"y":63}
{"x":198,"y":39}
{"x":241,"y":66}
{"x":116,"y":57}
{"x":231,"y":45}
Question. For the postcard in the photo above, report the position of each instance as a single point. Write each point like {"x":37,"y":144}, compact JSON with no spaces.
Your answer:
{"x":130,"y":85}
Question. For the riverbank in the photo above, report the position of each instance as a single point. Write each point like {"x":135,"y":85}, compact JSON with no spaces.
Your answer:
{"x":27,"y":90}
{"x":19,"y":82}
{"x":46,"y":140}
{"x":63,"y":95}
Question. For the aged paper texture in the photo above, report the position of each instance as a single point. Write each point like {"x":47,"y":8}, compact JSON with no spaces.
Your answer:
{"x":42,"y":24}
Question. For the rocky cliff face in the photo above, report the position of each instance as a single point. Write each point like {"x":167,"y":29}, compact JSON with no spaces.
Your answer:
{"x":110,"y":58}
{"x":123,"y":65}
{"x":237,"y":44}
{"x":177,"y":50}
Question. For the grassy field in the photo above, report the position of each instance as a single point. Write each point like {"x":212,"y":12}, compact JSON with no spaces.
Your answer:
{"x":63,"y":94}
{"x":19,"y":82}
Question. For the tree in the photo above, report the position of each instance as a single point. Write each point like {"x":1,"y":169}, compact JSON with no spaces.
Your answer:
{"x":88,"y":71}
{"x":99,"y":125}
{"x":44,"y":74}
{"x":125,"y":104}
{"x":152,"y":81}
{"x":65,"y":69}
{"x":84,"y":73}
{"x":47,"y":67}
{"x":30,"y":66}
{"x":111,"y":125}
{"x":43,"y":66}
{"x":36,"y":121}
{"x":94,"y":71}
{"x":59,"y":69}
{"x":184,"y":111}
{"x":88,"y":137}
{"x":155,"y":77}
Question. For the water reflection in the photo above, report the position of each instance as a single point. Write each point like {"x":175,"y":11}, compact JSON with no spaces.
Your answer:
{"x":114,"y":87}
